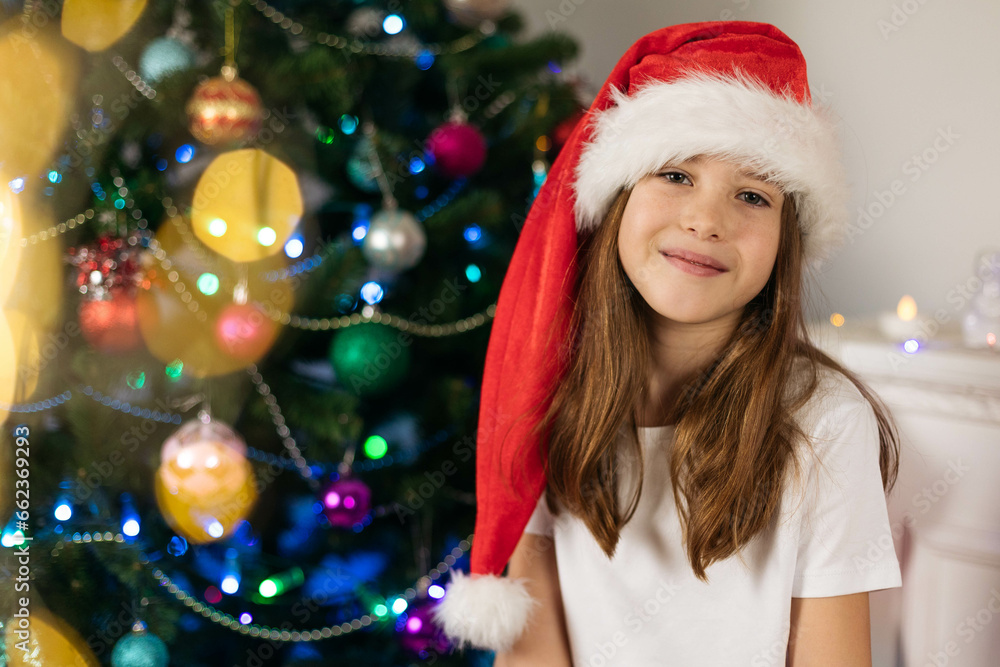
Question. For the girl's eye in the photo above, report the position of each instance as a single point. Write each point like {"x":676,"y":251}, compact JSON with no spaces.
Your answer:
{"x":669,"y":175}
{"x":752,"y":198}
{"x":755,"y":199}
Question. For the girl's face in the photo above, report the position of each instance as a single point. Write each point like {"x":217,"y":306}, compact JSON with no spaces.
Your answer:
{"x":710,"y":211}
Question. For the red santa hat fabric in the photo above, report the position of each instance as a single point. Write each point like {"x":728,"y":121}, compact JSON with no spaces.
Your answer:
{"x":730,"y":89}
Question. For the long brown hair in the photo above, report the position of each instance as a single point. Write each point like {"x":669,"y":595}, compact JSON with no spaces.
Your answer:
{"x":727,"y":465}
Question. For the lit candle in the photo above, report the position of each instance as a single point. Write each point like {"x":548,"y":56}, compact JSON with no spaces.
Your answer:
{"x":901,"y":325}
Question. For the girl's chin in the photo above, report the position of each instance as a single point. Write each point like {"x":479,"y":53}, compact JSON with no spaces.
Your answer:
{"x":690,"y":314}
{"x":680,"y":316}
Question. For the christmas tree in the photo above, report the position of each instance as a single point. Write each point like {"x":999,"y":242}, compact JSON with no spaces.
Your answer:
{"x":249,"y":256}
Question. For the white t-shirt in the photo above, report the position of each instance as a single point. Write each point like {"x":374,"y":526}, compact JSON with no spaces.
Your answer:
{"x":645,"y":606}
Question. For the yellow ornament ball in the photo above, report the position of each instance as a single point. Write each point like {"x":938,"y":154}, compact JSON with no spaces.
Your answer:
{"x":205,"y":486}
{"x":49,"y":641}
{"x":38,"y":83}
{"x":246,"y":205}
{"x":97,"y":24}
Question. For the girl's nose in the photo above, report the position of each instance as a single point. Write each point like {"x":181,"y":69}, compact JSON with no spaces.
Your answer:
{"x":705,"y":215}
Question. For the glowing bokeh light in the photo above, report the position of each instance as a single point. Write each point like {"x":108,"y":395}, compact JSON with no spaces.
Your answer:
{"x":130,"y":528}
{"x":184,"y":153}
{"x":266,"y":237}
{"x":294,"y":247}
{"x":63,"y":512}
{"x":393,"y":24}
{"x":376,"y":447}
{"x":217,"y":227}
{"x":372,"y":292}
{"x":208,"y":284}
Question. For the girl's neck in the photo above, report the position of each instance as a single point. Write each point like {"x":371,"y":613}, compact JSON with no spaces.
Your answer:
{"x":679,"y":350}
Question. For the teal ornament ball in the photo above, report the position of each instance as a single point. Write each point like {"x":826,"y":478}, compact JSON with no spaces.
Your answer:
{"x":369,"y":358}
{"x":395,"y":241}
{"x":361,"y":167}
{"x":140,"y":649}
{"x":164,"y":56}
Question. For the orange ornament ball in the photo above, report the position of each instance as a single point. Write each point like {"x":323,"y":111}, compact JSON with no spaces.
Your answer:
{"x":225,"y":110}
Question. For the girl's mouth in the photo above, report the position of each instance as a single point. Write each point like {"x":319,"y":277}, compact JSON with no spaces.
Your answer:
{"x":692,"y":268}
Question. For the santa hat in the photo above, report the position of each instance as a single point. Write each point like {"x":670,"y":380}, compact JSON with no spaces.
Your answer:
{"x":732,"y":89}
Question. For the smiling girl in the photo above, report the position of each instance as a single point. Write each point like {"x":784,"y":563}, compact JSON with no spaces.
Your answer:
{"x":667,"y":469}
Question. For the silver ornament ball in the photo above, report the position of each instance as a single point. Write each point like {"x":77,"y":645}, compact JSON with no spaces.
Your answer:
{"x":395,"y":240}
{"x":366,"y":22}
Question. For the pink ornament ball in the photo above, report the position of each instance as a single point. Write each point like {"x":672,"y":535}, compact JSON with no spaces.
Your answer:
{"x":346,"y":501}
{"x":245,"y":332}
{"x":459,"y":149}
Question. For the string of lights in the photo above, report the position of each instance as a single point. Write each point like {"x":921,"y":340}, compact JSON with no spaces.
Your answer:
{"x":393,"y":605}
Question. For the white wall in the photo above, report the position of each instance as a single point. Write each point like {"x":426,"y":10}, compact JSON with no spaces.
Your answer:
{"x":896,"y":90}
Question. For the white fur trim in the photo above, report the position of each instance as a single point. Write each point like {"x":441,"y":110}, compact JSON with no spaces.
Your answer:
{"x":732,"y":117}
{"x":487,"y":611}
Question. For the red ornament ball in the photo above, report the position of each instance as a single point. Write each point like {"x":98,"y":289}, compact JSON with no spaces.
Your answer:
{"x":458,"y":149}
{"x":245,"y":332}
{"x":224,"y":110}
{"x":346,"y":501}
{"x":110,"y":324}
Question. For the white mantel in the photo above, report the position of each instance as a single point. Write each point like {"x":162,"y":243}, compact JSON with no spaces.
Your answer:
{"x":945,"y":507}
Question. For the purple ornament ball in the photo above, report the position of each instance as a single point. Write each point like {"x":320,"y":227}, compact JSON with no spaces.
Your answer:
{"x":420,"y":633}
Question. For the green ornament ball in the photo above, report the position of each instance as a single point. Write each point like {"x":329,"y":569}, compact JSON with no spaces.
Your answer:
{"x":140,"y":649}
{"x":370,"y":358}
